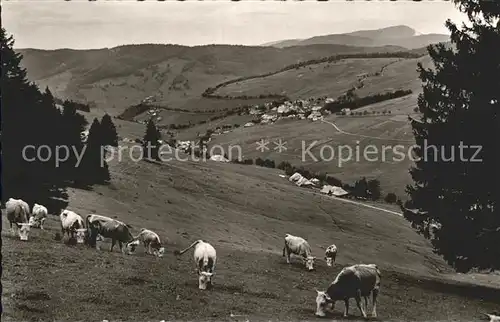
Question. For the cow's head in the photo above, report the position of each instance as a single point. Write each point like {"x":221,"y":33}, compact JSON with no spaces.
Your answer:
{"x":322,"y":301}
{"x":309,"y":262}
{"x":205,"y":280}
{"x":159,"y":252}
{"x":80,"y":235}
{"x":329,"y":261}
{"x":24,"y":230}
{"x":130,"y":247}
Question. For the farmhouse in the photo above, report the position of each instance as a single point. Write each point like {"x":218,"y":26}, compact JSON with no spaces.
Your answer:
{"x":315,"y":181}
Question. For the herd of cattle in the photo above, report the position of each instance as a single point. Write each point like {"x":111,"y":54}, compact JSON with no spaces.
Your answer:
{"x":356,"y":281}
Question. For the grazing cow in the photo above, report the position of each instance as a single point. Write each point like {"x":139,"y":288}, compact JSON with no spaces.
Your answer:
{"x":111,"y":228}
{"x":298,"y":246}
{"x":205,"y":258}
{"x":71,"y":224}
{"x":352,"y":282}
{"x":151,"y":242}
{"x":38,"y":216}
{"x":17,"y":212}
{"x":330,"y":255}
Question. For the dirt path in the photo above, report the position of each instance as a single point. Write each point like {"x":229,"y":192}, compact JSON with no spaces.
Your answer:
{"x":367,"y":206}
{"x":364,"y":136}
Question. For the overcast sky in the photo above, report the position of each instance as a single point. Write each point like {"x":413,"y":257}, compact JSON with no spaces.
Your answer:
{"x":50,"y":24}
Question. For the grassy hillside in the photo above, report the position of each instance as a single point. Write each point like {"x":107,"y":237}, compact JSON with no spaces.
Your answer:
{"x":332,"y":79}
{"x":378,"y":131}
{"x":369,"y":75}
{"x":244,"y":211}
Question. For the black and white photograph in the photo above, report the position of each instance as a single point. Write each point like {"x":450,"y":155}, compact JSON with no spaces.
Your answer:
{"x":250,"y":160}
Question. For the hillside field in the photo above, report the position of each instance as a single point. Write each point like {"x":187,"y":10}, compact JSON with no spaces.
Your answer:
{"x":176,"y":76}
{"x":244,"y":211}
{"x":323,"y":79}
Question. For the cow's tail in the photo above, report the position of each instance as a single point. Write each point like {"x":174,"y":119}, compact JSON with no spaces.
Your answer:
{"x":15,"y":215}
{"x":378,"y":275}
{"x":91,"y":236}
{"x":284,"y":247}
{"x":176,"y":252}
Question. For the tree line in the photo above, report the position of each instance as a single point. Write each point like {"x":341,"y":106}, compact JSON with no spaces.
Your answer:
{"x":402,"y":54}
{"x":460,"y":105}
{"x":77,"y":105}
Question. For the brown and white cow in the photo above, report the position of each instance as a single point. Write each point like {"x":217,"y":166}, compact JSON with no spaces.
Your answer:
{"x":300,"y":247}
{"x":205,"y":258}
{"x":151,"y":242}
{"x":111,"y":228}
{"x":354,"y":281}
{"x":72,"y":224}
{"x":330,"y":255}
{"x":38,"y":216}
{"x":17,"y":213}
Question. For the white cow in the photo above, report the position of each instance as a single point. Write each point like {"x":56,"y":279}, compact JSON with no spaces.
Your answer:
{"x":354,"y":281}
{"x":205,"y":258}
{"x":71,"y":224}
{"x":300,"y":247}
{"x":330,"y":255}
{"x":38,"y":216}
{"x":17,"y":212}
{"x":151,"y":242}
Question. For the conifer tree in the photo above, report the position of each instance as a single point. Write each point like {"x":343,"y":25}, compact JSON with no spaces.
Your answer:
{"x":94,"y":166}
{"x":74,"y":124}
{"x":374,"y":189}
{"x":30,"y":123}
{"x":456,"y":179}
{"x":151,"y":144}
{"x":108,"y":131}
